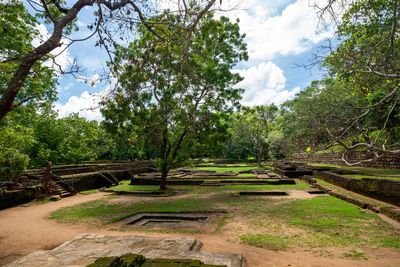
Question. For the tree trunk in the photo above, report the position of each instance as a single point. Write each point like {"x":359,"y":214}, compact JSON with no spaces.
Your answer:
{"x":7,"y":99}
{"x":259,"y":157}
{"x":164,"y":174}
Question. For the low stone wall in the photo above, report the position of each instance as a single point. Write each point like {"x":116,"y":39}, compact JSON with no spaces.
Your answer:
{"x":144,"y":181}
{"x":135,"y":167}
{"x":381,"y":189}
{"x":389,"y":211}
{"x":96,"y":180}
{"x":388,"y":162}
{"x":80,"y":178}
{"x":16,"y":197}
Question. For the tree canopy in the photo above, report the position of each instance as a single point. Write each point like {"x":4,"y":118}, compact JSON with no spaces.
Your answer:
{"x":21,"y":66}
{"x":173,"y":90}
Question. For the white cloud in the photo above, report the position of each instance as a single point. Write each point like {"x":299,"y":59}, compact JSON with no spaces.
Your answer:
{"x":264,"y":84}
{"x":66,"y":87}
{"x":292,"y":32}
{"x":61,"y":54}
{"x":86,"y":105}
{"x":269,"y":31}
{"x":92,"y":62}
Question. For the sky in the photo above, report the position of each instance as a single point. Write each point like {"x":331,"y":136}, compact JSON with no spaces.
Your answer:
{"x":280,"y":35}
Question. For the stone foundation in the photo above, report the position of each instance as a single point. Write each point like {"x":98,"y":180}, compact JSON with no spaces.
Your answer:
{"x":388,"y":162}
{"x":85,"y":249}
{"x":381,"y":189}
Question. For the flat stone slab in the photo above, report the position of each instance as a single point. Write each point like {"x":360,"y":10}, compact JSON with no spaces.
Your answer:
{"x":85,"y":249}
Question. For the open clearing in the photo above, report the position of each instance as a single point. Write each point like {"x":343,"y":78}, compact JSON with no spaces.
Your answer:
{"x":298,"y":230}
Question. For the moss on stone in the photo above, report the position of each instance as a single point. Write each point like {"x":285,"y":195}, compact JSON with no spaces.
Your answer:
{"x":134,"y":260}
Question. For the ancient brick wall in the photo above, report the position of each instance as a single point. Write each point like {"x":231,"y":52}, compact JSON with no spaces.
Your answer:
{"x":382,"y":189}
{"x":387,"y":162}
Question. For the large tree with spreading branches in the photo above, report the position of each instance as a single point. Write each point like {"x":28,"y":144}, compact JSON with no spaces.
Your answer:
{"x":173,"y":89}
{"x":20,"y":66}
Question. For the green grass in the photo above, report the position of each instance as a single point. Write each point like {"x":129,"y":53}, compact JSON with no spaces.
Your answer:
{"x":321,"y":222}
{"x":245,"y":175}
{"x":274,"y":223}
{"x":366,"y":170}
{"x":300,"y":186}
{"x":330,"y":150}
{"x":355,"y":255}
{"x":351,"y":194}
{"x":205,"y":189}
{"x":127,"y":187}
{"x":360,"y":176}
{"x":272,"y":242}
{"x":102,"y":211}
{"x":222,"y":222}
{"x":233,"y":169}
{"x":88,"y":192}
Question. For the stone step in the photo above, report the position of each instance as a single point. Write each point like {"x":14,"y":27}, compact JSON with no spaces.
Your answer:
{"x":211,"y":183}
{"x":68,"y":194}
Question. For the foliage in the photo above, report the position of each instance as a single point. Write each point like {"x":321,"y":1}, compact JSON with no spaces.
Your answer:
{"x":65,"y":140}
{"x":18,"y":30}
{"x":12,"y":163}
{"x":358,"y":106}
{"x":24,"y":70}
{"x":321,"y":107}
{"x":277,"y":144}
{"x":175,"y":99}
{"x":250,"y":130}
{"x":15,"y":142}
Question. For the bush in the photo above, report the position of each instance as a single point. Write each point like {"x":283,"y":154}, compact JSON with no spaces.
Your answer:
{"x":12,"y":163}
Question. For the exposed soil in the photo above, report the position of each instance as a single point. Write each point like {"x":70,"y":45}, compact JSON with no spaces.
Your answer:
{"x":26,"y":229}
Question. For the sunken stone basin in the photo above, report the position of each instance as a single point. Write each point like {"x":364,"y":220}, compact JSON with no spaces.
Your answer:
{"x":263,"y":193}
{"x":183,"y":220}
{"x":316,"y":192}
{"x":260,"y":193}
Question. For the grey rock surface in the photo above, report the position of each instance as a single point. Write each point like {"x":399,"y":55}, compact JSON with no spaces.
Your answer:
{"x":85,"y":249}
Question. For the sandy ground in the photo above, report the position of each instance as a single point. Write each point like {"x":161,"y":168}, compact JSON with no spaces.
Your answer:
{"x":26,"y":229}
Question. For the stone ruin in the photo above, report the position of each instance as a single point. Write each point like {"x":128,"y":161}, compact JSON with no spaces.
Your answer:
{"x":85,"y":249}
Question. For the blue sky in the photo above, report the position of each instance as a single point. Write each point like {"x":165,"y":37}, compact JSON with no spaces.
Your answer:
{"x":280,"y":34}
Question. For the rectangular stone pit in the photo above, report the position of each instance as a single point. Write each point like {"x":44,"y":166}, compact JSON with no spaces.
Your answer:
{"x":262,"y":193}
{"x":192,"y":221}
{"x":316,"y":192}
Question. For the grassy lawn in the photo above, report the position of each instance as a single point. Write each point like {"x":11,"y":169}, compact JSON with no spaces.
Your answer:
{"x":245,"y":175}
{"x":88,"y":192}
{"x":127,"y":187}
{"x":299,"y":185}
{"x":206,"y":189}
{"x":320,"y":222}
{"x":351,"y":194}
{"x":360,"y":176}
{"x":225,"y":169}
{"x":103,"y":211}
{"x":272,"y":223}
{"x":366,"y":170}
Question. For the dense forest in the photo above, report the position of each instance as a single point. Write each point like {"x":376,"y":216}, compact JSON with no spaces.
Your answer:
{"x":176,"y":98}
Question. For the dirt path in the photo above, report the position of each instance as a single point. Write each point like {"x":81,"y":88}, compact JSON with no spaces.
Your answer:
{"x":26,"y":229}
